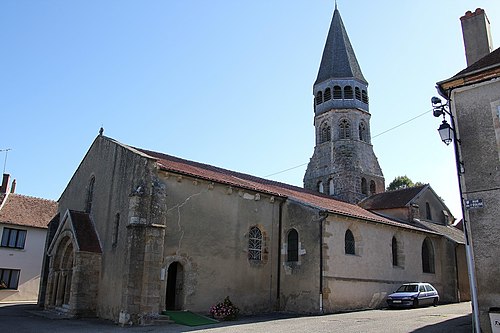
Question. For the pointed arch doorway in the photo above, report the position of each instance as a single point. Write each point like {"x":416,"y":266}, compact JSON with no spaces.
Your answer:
{"x":174,"y":292}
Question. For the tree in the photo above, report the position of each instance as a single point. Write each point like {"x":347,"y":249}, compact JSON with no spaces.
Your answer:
{"x":401,"y":182}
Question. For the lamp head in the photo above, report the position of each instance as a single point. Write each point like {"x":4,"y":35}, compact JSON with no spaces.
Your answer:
{"x":436,"y":101}
{"x":446,"y":132}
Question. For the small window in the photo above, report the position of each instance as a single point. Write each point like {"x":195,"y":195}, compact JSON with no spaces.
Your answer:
{"x":364,"y":96}
{"x":362,"y":131}
{"x":427,"y":256}
{"x":9,"y":278}
{"x":319,"y":97}
{"x":337,"y":92}
{"x":331,"y":187}
{"x":90,"y":195}
{"x":326,"y":131}
{"x":13,"y":238}
{"x":357,"y":93}
{"x":321,"y":188}
{"x":328,"y":94}
{"x":350,"y":245}
{"x":421,"y":288}
{"x":345,"y":129}
{"x":348,"y":94}
{"x":255,"y":244}
{"x":395,"y":252}
{"x":428,"y":213}
{"x":364,"y":186}
{"x":373,"y":187}
{"x":293,"y":246}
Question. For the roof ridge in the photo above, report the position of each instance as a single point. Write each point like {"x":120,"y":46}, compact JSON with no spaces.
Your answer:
{"x":30,"y":196}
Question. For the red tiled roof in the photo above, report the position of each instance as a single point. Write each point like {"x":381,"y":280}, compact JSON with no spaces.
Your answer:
{"x":26,"y":211}
{"x":232,"y":178}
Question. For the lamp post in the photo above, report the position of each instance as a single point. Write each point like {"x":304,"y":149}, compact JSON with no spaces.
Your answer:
{"x":448,"y":134}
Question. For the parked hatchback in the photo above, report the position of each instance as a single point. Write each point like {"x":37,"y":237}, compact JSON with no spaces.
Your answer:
{"x":413,"y":294}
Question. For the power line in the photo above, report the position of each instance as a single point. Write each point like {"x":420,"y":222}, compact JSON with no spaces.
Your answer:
{"x":373,"y":137}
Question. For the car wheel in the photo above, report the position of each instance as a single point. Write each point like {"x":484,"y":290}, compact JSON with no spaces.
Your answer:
{"x":435,"y":302}
{"x":415,"y":302}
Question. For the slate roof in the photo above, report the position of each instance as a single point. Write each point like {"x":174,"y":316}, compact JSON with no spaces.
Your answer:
{"x":299,"y":194}
{"x":486,"y":62}
{"x":449,"y":232}
{"x":338,"y":60}
{"x":391,"y":199}
{"x":26,"y":211}
{"x":85,"y":234}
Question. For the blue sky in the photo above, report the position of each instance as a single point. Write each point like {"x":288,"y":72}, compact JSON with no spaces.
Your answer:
{"x":228,"y":83}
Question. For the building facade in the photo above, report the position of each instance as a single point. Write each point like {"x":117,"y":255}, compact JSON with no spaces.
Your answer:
{"x":474,"y":100}
{"x":23,"y":228}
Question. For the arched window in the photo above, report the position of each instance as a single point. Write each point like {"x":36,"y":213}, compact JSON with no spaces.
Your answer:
{"x":321,"y":188}
{"x":357,"y":93}
{"x":331,"y":187}
{"x":293,"y":246}
{"x":395,"y":252}
{"x":348,"y":92}
{"x":319,"y":97}
{"x":345,"y":129}
{"x":328,"y":94}
{"x":373,"y":187}
{"x":362,"y":131}
{"x":364,"y":96}
{"x":364,"y":186}
{"x":90,"y":195}
{"x":427,"y":256}
{"x":337,"y":92}
{"x":428,"y":214}
{"x":350,"y":245}
{"x":326,"y":131}
{"x":255,"y":244}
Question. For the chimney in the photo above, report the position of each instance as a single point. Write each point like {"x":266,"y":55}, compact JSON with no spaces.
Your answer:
{"x":13,"y":186}
{"x":477,"y":35}
{"x":5,"y":183}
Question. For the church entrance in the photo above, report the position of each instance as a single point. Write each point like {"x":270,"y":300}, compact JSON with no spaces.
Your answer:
{"x":174,"y":296}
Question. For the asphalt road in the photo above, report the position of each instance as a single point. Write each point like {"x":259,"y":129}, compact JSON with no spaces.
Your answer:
{"x":452,"y":318}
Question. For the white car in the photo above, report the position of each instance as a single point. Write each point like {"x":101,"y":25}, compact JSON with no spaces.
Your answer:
{"x":413,"y":295}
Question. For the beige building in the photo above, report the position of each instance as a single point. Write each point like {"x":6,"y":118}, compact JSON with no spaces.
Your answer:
{"x":154,"y":232}
{"x":474,"y":100}
{"x":23,"y":226}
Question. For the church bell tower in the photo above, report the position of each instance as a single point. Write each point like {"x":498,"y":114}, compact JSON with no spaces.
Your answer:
{"x":343,"y":164}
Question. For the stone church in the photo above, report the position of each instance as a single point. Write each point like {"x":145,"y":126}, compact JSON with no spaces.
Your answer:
{"x":138,"y":231}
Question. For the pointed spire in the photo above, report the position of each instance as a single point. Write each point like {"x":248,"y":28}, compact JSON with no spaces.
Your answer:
{"x":339,"y":60}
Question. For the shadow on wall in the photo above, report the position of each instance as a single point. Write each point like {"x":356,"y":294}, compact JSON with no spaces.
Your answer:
{"x":378,"y":300}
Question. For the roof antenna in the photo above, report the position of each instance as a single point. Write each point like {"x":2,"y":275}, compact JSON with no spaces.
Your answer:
{"x":6,"y":153}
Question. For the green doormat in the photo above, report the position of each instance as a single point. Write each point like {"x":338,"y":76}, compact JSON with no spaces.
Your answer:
{"x":188,"y":318}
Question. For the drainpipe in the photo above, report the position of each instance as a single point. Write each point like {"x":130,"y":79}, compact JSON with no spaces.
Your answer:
{"x":278,"y":275}
{"x":323,"y":215}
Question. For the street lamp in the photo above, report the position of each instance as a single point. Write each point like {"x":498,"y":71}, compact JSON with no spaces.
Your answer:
{"x":448,"y":134}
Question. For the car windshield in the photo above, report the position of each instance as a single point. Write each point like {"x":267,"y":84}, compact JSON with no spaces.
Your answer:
{"x":408,"y":288}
